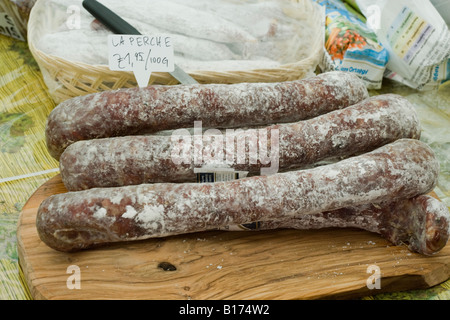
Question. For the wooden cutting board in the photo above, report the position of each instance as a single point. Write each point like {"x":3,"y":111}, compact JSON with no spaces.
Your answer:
{"x":279,"y":264}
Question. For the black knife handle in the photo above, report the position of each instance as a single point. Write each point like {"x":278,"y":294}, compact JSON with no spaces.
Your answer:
{"x":108,"y":18}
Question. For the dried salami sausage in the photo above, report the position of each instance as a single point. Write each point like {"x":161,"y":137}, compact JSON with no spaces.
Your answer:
{"x":421,"y":223}
{"x":82,"y":219}
{"x":156,"y":108}
{"x":118,"y":161}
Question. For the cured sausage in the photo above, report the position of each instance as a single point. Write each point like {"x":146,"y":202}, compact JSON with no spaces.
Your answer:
{"x":133,"y":111}
{"x":118,"y":161}
{"x":82,"y":219}
{"x":422,"y":223}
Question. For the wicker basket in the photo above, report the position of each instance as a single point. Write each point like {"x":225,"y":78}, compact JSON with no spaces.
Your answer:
{"x":66,"y":79}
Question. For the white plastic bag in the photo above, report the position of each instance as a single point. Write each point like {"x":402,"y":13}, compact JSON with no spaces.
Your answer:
{"x":416,"y":37}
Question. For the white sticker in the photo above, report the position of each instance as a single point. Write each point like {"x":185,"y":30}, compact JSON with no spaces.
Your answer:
{"x":8,"y":27}
{"x":213,"y":174}
{"x":141,"y":54}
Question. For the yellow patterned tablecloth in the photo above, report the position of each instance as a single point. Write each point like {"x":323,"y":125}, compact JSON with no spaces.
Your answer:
{"x":25,"y":164}
{"x":24,"y":161}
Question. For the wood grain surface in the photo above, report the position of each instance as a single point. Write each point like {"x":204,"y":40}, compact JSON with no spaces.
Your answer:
{"x":278,"y":264}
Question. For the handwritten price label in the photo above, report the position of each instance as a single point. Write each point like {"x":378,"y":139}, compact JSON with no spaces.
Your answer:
{"x":141,"y":54}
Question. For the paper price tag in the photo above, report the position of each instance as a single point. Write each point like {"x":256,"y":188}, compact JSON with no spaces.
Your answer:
{"x":141,"y":54}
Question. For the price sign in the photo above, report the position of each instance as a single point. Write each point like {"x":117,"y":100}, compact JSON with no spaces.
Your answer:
{"x":141,"y":54}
